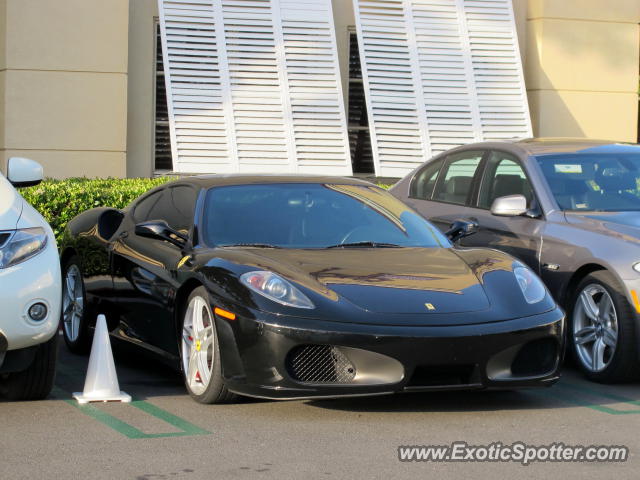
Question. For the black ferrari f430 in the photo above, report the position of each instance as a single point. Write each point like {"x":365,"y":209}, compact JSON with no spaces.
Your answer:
{"x":305,"y":287}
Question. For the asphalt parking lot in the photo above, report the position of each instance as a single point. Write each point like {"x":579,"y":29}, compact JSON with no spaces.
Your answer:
{"x":164,"y":434}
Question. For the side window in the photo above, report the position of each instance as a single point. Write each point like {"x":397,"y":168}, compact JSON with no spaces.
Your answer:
{"x":144,"y":207}
{"x":455,"y":180}
{"x":425,"y":180}
{"x":174,"y":205}
{"x":503,"y":176}
{"x":180,"y":208}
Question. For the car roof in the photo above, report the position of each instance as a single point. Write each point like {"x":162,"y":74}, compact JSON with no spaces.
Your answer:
{"x":209,"y":181}
{"x":551,"y":146}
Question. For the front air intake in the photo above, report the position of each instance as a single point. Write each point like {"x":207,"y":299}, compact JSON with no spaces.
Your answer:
{"x":320,"y":364}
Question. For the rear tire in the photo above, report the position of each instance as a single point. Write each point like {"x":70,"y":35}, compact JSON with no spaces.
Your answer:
{"x":35,"y":382}
{"x":600,"y":312}
{"x":200,"y":352}
{"x":73,"y":318}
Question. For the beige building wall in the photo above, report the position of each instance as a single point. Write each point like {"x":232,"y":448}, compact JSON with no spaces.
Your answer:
{"x":3,"y":67}
{"x":581,"y":67}
{"x":520,"y":8}
{"x":65,"y":85}
{"x":141,"y":81}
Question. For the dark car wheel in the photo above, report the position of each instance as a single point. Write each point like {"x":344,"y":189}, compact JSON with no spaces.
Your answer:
{"x":35,"y":382}
{"x":200,"y":352}
{"x":74,"y":324}
{"x":602,"y":329}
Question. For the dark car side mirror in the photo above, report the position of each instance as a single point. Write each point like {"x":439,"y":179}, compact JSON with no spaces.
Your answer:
{"x":460,"y":229}
{"x":160,"y":230}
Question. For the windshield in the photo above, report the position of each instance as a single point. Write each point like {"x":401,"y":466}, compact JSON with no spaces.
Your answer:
{"x":600,"y":182}
{"x":292,"y":215}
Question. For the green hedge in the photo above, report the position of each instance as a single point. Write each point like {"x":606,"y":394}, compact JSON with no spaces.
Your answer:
{"x":60,"y":200}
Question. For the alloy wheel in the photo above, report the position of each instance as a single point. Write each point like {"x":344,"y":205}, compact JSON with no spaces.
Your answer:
{"x":595,"y":327}
{"x":72,"y":302}
{"x":198,"y":345}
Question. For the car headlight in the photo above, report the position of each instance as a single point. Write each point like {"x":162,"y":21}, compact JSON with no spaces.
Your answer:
{"x":22,"y":245}
{"x":532,"y":287}
{"x":275,"y":288}
{"x":636,"y":267}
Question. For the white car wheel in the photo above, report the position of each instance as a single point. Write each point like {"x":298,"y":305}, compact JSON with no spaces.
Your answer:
{"x":199,"y":351}
{"x":74,"y":319}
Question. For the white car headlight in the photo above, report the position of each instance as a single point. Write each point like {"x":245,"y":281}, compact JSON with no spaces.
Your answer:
{"x":22,"y":245}
{"x":275,"y":288}
{"x":532,"y":287}
{"x":636,"y":267}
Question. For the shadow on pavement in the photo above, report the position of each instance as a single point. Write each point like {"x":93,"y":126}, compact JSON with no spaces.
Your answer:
{"x":143,"y":376}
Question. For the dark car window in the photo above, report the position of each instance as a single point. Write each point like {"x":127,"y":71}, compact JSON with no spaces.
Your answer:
{"x":312,"y":216}
{"x":425,"y":181}
{"x":174,"y":208}
{"x":503,"y":176}
{"x":455,"y":180}
{"x":143,"y":208}
{"x":174,"y":205}
{"x":593,"y":181}
{"x":181,"y":206}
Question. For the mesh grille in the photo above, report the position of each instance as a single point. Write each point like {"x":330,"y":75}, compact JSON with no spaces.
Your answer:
{"x":320,"y":364}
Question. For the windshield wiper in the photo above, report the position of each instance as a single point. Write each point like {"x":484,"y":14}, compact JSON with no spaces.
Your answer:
{"x":365,"y":245}
{"x":256,"y":245}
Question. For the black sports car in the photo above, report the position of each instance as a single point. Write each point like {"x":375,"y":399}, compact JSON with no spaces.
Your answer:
{"x":293,"y":287}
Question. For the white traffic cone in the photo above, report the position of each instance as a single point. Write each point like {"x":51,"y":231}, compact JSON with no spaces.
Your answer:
{"x":101,"y":384}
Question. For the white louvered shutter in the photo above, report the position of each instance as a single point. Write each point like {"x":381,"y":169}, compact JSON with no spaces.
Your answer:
{"x":438,"y":74}
{"x":254,"y":86}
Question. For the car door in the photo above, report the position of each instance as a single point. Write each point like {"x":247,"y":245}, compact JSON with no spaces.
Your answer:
{"x":441,"y":190}
{"x":145,"y":269}
{"x":503,"y":174}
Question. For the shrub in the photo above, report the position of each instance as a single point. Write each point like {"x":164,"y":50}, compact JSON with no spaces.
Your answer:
{"x":60,"y":200}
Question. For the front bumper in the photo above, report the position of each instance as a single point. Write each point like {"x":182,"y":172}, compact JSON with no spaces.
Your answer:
{"x":257,"y":360}
{"x":35,"y":280}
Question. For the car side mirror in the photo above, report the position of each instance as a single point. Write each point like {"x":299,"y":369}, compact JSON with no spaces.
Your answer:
{"x":509,"y":206}
{"x":160,"y":230}
{"x":460,"y":229}
{"x":22,"y":172}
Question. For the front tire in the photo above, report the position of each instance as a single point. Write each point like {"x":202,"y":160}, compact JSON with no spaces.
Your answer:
{"x":602,"y":329}
{"x":200,"y":352}
{"x":73,"y":317}
{"x":35,"y":382}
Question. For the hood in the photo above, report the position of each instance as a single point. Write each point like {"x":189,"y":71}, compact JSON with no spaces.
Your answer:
{"x":387,"y":280}
{"x":11,"y":204}
{"x":624,"y":225}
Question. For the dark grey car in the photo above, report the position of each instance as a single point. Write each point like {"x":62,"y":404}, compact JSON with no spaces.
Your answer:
{"x":570,"y":209}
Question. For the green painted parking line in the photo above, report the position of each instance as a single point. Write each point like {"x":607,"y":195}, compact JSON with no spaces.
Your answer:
{"x":567,"y":393}
{"x":180,"y":423}
{"x":610,"y":396}
{"x":186,"y":428}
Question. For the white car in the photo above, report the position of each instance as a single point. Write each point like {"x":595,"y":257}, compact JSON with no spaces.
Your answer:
{"x":30,"y":289}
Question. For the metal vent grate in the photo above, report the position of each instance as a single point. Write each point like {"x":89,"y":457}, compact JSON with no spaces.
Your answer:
{"x":320,"y":364}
